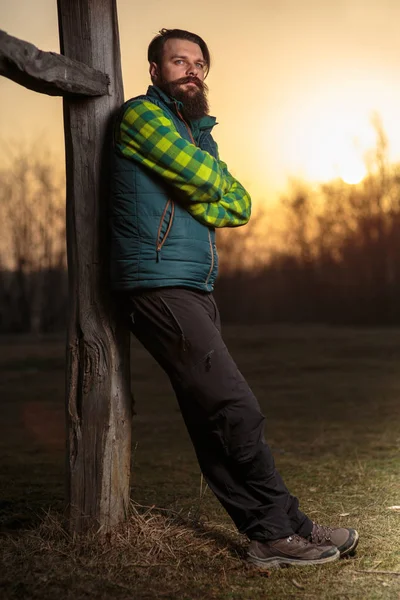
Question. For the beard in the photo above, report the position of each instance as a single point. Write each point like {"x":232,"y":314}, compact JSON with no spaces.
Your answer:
{"x":194,"y":101}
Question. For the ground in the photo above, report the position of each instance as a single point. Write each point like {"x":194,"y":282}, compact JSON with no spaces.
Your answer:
{"x":331,"y":398}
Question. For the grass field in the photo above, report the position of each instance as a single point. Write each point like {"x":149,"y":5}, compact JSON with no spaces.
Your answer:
{"x":332,"y":401}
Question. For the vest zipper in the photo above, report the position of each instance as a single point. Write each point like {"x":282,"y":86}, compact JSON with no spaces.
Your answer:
{"x":160,"y":242}
{"x":209,"y":235}
{"x":212,"y":257}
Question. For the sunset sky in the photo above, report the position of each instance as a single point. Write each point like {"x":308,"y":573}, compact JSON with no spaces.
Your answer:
{"x":293,"y":84}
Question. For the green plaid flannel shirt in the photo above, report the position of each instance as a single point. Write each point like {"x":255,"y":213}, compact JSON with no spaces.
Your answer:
{"x":205,"y":186}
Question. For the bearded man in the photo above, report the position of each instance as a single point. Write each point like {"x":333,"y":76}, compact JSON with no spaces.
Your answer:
{"x":170,"y":190}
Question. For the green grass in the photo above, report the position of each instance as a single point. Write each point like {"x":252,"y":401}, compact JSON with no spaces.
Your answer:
{"x":332,"y":401}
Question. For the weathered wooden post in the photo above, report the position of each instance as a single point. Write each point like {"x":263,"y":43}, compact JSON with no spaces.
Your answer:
{"x":98,"y":399}
{"x":98,"y":413}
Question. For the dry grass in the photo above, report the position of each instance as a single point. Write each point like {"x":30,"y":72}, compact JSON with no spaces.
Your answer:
{"x":332,"y":404}
{"x":143,"y":554}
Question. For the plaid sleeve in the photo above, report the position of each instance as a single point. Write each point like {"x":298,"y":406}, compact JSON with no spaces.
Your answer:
{"x":149,"y":137}
{"x":233,"y":210}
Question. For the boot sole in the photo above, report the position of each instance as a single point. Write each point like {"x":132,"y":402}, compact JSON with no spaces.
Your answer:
{"x":280,"y":561}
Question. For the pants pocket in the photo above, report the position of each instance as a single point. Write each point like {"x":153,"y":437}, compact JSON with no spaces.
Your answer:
{"x":214,"y":379}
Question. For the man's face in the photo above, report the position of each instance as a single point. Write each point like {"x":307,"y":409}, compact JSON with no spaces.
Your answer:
{"x":181,"y":58}
{"x":181,"y":75}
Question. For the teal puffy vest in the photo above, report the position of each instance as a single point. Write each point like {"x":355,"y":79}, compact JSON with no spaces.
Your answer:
{"x":155,"y":242}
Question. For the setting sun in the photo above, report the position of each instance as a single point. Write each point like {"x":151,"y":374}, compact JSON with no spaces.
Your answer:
{"x":330,"y":130}
{"x":352,"y":172}
{"x":337,"y":159}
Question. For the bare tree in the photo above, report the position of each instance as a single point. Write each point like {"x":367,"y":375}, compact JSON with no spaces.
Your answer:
{"x":32,"y":247}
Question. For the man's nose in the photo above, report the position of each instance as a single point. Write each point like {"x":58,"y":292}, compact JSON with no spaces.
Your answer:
{"x":192,"y":70}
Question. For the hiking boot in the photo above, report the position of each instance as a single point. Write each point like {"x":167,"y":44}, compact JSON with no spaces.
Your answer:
{"x":344,"y":539}
{"x":292,"y":550}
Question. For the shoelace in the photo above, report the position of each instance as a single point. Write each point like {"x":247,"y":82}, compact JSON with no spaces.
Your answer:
{"x":298,"y":539}
{"x":320,"y":533}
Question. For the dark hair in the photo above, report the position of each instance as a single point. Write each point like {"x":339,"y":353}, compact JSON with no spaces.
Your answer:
{"x":156,"y":46}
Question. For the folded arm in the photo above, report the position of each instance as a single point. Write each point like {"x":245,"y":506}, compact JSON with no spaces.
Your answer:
{"x":204,"y":185}
{"x":233,"y":210}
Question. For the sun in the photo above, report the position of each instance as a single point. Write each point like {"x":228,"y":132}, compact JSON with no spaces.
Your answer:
{"x":353,"y":172}
{"x":340,"y":160}
{"x":334,"y":151}
{"x":329,"y":136}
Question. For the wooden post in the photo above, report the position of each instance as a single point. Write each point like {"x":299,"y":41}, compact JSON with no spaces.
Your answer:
{"x":97,"y":378}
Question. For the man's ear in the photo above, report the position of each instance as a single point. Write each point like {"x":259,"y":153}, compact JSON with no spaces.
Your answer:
{"x":154,"y":71}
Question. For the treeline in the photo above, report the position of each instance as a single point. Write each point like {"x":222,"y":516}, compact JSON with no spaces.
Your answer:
{"x":339,"y":256}
{"x":328,"y":255}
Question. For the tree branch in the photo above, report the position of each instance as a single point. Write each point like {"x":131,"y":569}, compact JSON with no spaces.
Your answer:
{"x":48,"y":72}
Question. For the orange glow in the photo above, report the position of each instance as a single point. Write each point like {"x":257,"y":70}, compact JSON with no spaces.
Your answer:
{"x":293,"y":84}
{"x":332,"y":131}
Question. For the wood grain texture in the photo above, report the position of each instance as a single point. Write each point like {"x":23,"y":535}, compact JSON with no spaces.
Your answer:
{"x":97,"y":380}
{"x":48,"y":72}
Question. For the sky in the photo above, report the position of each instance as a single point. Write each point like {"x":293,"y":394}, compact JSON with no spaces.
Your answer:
{"x":293,"y":83}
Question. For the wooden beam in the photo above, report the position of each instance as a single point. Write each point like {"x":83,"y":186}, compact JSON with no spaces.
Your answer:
{"x":98,"y":398}
{"x":48,"y":72}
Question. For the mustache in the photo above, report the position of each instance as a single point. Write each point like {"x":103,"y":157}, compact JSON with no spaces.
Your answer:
{"x":200,"y":84}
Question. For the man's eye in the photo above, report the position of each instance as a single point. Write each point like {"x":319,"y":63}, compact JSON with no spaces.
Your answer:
{"x":200,"y":65}
{"x":179,"y":62}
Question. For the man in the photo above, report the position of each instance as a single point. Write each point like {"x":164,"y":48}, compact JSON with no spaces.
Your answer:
{"x":170,"y":190}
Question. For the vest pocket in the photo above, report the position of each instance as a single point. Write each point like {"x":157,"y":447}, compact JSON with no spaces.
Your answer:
{"x":161,"y":239}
